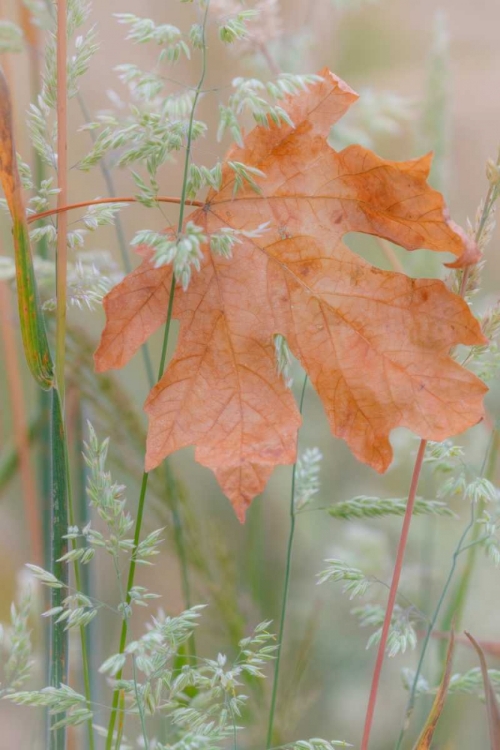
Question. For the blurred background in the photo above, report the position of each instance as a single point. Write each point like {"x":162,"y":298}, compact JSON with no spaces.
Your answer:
{"x":429,"y":76}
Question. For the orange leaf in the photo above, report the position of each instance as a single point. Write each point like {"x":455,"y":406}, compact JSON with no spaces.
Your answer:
{"x":375,"y":343}
{"x":492,"y":706}
{"x":425,"y":739}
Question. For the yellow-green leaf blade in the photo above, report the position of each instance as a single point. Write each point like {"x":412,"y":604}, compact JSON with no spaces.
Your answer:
{"x":425,"y":739}
{"x":35,"y":342}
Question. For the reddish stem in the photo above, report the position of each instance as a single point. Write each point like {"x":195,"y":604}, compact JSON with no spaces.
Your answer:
{"x":392,"y":595}
{"x":98,"y":201}
{"x":62,"y":197}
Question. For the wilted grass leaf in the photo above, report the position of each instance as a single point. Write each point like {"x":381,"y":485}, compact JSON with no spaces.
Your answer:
{"x":35,"y":341}
{"x":492,"y":707}
{"x":375,"y":344}
{"x":425,"y":739}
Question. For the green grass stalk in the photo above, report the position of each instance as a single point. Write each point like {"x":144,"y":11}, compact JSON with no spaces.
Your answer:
{"x":60,"y":450}
{"x":58,"y":672}
{"x":286,"y":589}
{"x":166,"y":335}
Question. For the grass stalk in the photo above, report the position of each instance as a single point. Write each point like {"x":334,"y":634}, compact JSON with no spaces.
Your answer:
{"x":166,"y":335}
{"x":403,"y":539}
{"x":60,"y":444}
{"x":62,"y":197}
{"x":58,"y":669}
{"x":286,"y":588}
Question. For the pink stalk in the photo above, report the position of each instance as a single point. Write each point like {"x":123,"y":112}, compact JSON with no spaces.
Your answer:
{"x":392,"y":595}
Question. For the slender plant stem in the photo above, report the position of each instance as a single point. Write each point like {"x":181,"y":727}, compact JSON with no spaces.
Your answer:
{"x":60,"y":443}
{"x":392,"y":595}
{"x":62,"y":196}
{"x":286,"y":587}
{"x":144,"y":483}
{"x":63,"y":208}
{"x":58,"y":636}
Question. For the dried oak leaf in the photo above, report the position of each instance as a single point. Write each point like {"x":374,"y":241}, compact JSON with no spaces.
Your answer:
{"x":375,"y":343}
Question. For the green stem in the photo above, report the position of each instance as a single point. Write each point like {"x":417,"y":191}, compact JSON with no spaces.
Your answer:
{"x":58,"y":635}
{"x":124,"y":629}
{"x":286,"y":588}
{"x":144,"y":483}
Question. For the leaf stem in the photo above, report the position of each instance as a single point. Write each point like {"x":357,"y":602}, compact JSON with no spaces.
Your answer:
{"x":62,"y":208}
{"x":286,"y":587}
{"x":392,"y":595}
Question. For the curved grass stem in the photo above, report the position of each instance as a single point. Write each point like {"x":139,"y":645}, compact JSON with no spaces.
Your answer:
{"x":286,"y":588}
{"x":63,"y":208}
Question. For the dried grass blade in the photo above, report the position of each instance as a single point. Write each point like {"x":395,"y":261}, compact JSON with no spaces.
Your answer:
{"x":492,"y":706}
{"x":425,"y":739}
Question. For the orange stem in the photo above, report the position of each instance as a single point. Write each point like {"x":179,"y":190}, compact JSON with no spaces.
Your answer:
{"x":19,"y":421}
{"x":392,"y":595}
{"x":97,"y":201}
{"x":62,"y":196}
